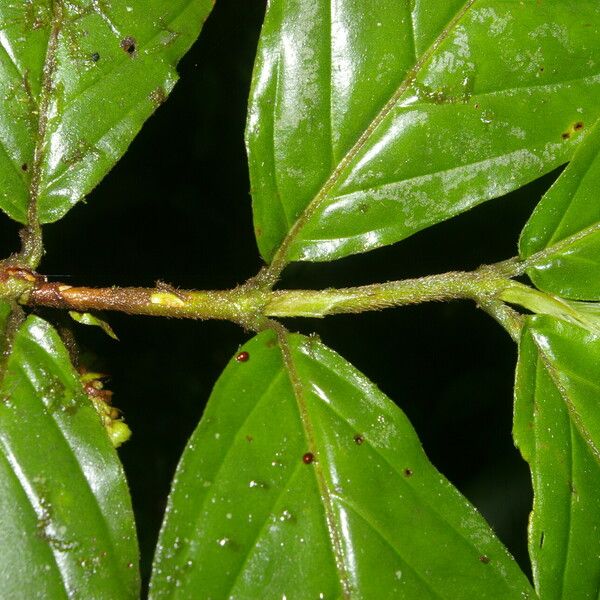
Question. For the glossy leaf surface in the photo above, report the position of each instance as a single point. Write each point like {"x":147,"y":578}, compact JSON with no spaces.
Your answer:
{"x":563,"y":234}
{"x":372,"y":120}
{"x":304,"y":481}
{"x":557,"y":428}
{"x":66,"y":523}
{"x":78,"y":79}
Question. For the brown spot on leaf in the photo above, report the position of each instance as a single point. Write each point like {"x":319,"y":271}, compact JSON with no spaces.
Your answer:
{"x":358,"y":439}
{"x":484,"y":559}
{"x":308,"y":458}
{"x":128,"y":44}
{"x":408,"y":472}
{"x":566,"y":135}
{"x":578,"y":126}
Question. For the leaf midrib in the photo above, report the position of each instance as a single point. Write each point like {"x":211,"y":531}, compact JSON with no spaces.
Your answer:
{"x":574,"y":415}
{"x":46,"y":96}
{"x":549,"y":252}
{"x":280,"y":258}
{"x":331,"y":522}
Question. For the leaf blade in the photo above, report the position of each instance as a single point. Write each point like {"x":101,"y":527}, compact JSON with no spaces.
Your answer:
{"x":557,"y":430}
{"x":67,"y":520}
{"x":457,"y":130}
{"x":83,"y":77}
{"x":328,"y":494}
{"x":561,"y":240}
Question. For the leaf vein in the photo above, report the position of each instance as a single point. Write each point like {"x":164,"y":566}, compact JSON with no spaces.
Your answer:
{"x":332,"y":523}
{"x":280,"y":258}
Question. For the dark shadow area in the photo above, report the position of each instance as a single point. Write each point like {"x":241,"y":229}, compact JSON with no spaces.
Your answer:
{"x":177,"y":208}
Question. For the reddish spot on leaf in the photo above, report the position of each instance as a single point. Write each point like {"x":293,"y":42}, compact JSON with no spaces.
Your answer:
{"x":308,"y":458}
{"x":242,"y":357}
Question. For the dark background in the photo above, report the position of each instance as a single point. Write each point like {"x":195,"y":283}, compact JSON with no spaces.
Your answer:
{"x":177,"y":208}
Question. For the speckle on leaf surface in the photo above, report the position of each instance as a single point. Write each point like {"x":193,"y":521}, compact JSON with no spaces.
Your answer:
{"x":128,"y":44}
{"x":308,"y":458}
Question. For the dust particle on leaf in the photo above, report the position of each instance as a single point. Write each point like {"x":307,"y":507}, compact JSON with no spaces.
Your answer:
{"x":158,"y":96}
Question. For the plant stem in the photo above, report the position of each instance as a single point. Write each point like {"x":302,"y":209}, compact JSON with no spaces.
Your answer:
{"x":508,"y":317}
{"x":476,"y":286}
{"x":238,"y":305}
{"x":251,"y":305}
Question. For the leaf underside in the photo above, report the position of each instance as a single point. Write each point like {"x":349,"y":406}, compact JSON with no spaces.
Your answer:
{"x":369,"y":121}
{"x":304,"y":481}
{"x":557,"y":429}
{"x":66,"y":522}
{"x":78,"y":79}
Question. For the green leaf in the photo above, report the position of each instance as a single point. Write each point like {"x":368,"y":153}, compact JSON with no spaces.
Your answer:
{"x":370,"y":121}
{"x":78,"y":79}
{"x":66,"y":523}
{"x":304,"y":481}
{"x":90,"y":319}
{"x":562,"y":237}
{"x":557,"y":428}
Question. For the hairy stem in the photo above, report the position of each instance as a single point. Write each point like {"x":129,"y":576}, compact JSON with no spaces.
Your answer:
{"x":476,"y":285}
{"x":240,"y":305}
{"x":252,"y":305}
{"x":508,"y":317}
